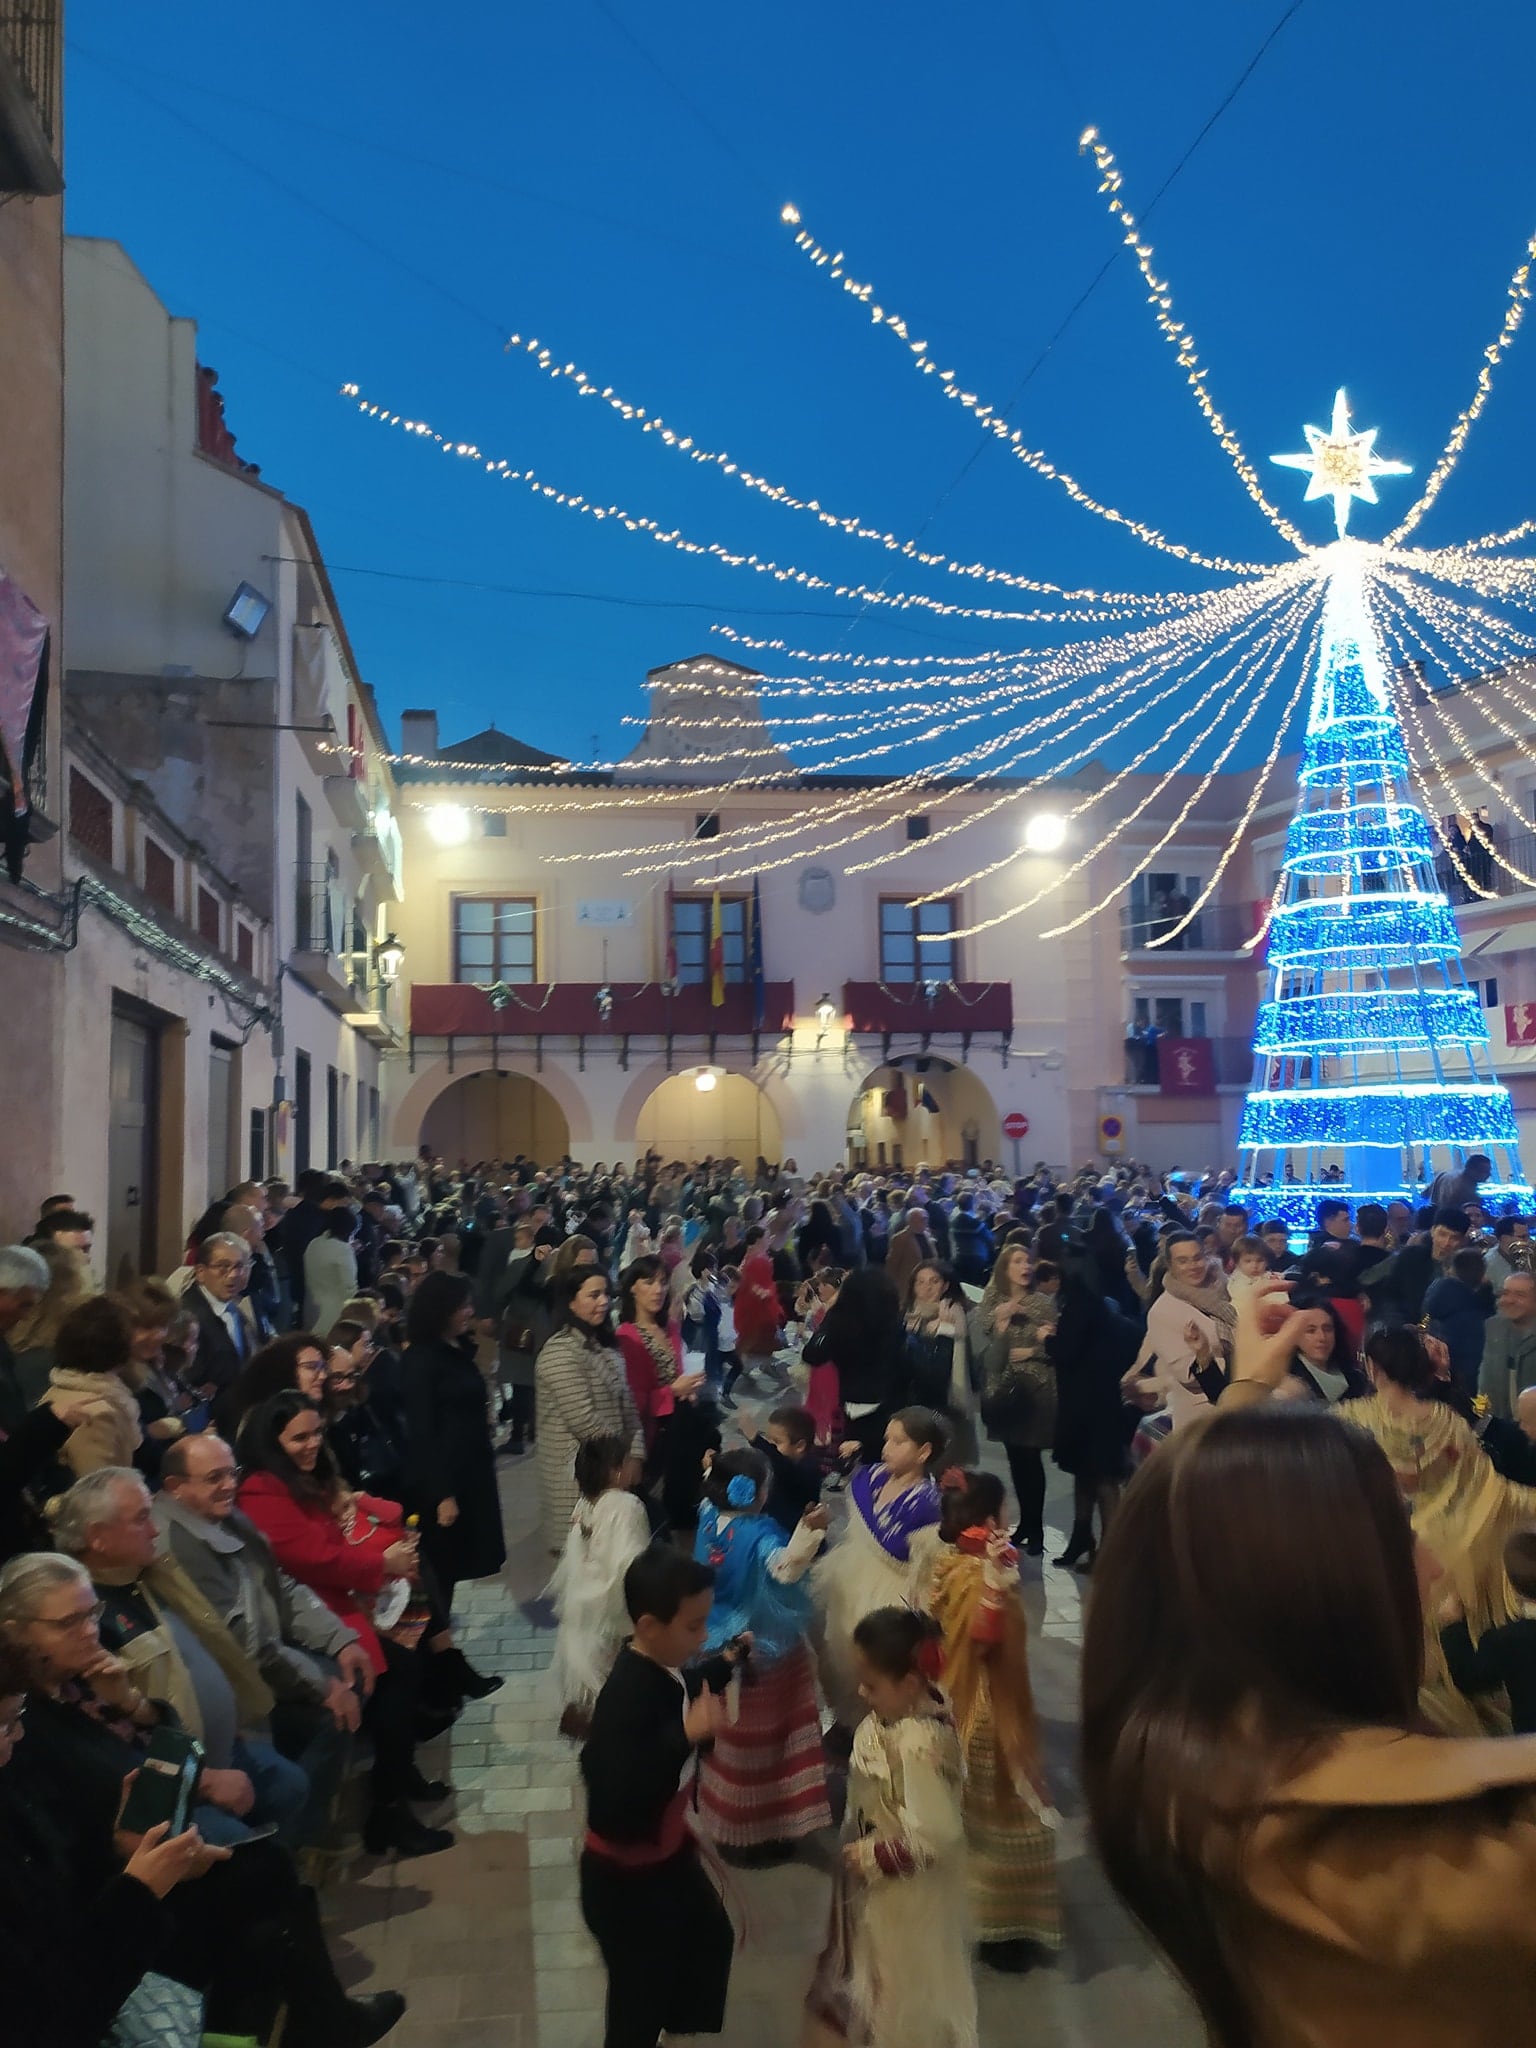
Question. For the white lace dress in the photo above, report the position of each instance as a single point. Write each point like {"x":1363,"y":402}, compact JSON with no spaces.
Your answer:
{"x":606,"y":1536}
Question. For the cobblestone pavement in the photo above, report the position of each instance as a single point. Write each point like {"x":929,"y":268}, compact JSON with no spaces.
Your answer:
{"x":486,"y":1939}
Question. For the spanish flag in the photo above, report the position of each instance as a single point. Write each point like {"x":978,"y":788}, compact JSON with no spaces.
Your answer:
{"x":716,"y":954}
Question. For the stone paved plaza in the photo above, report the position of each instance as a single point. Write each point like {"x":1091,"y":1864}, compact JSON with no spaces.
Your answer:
{"x":487,"y":1939}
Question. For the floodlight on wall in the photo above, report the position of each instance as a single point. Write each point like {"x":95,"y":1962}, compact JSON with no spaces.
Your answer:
{"x":388,"y":954}
{"x":448,"y":824}
{"x":246,"y":612}
{"x":826,"y":1011}
{"x":1045,"y":832}
{"x":705,"y":1080}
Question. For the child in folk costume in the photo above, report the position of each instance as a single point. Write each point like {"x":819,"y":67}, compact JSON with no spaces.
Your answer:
{"x":973,"y":1594}
{"x":609,"y":1529}
{"x":879,"y":1560}
{"x":896,"y":1971}
{"x":764,"y":1783}
{"x":666,"y":1938}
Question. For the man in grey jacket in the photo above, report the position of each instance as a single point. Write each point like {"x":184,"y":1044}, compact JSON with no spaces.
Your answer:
{"x":1509,"y":1346}
{"x":313,"y":1663}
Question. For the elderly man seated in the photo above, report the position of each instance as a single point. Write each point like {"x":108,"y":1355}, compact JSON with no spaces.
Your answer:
{"x":179,"y":1651}
{"x":312,"y":1662}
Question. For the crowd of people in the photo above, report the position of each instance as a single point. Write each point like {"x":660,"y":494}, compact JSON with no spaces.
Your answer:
{"x":236,"y":1502}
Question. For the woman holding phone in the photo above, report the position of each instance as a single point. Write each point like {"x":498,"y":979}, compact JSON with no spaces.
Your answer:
{"x":234,"y":1924}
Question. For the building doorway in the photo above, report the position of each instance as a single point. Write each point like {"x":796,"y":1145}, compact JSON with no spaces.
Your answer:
{"x":222,"y":1103}
{"x":732,"y":1120}
{"x":133,"y":1178}
{"x":496,"y":1116}
{"x":922,"y":1111}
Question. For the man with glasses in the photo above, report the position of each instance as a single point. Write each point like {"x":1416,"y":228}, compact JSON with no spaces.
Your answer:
{"x":179,"y":1650}
{"x":227,"y":1334}
{"x":318,"y":1672}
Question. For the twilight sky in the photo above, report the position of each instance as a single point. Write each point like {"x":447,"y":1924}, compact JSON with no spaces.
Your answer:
{"x":381,"y":193}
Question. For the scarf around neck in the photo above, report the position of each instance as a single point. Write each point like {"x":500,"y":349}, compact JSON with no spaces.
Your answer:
{"x":1211,"y":1300}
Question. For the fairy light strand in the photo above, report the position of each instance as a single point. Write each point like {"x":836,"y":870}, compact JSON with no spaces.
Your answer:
{"x":1518,"y":294}
{"x":992,"y":418}
{"x":674,"y":537}
{"x":1178,"y":336}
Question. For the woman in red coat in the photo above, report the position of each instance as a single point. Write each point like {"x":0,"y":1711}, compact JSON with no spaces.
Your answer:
{"x":346,"y":1548}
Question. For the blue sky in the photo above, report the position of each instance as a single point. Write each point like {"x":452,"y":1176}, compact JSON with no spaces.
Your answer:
{"x":380,"y":194}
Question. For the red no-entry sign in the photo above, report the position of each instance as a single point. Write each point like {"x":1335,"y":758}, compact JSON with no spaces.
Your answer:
{"x":1015,"y":1124}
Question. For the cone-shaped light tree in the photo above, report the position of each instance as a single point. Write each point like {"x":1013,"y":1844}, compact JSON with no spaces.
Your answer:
{"x":1372,"y":1063}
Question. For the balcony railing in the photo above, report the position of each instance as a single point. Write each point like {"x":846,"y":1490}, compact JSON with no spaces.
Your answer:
{"x":1220,"y":928}
{"x":1518,"y":848}
{"x":29,"y":96}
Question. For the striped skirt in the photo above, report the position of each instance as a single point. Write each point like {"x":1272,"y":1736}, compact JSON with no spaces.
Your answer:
{"x":1012,"y":1852}
{"x":765,"y":1779}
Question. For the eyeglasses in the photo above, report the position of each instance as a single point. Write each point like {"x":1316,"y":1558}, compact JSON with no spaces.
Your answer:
{"x":83,"y":1618}
{"x":224,"y":1266}
{"x":343,"y":1379}
{"x":230,"y":1473}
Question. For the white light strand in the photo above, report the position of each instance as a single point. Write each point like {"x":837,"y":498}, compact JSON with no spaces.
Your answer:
{"x":1204,"y":783}
{"x":1404,"y":620}
{"x":1255,"y":797}
{"x":1519,"y":292}
{"x":1179,"y":338}
{"x":674,"y":537}
{"x":1252,"y":661}
{"x":853,"y":528}
{"x":1074,"y":709}
{"x":1074,"y":665}
{"x":1183,"y":677}
{"x":1394,"y":622}
{"x":992,"y":419}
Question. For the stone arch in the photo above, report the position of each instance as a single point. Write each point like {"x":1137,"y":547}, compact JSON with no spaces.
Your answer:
{"x":411,"y":1112}
{"x":647,"y":1080}
{"x":966,"y":1127}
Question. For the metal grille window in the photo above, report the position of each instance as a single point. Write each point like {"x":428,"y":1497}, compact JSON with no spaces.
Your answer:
{"x":690,"y":936}
{"x":159,"y":876}
{"x":901,"y":957}
{"x":90,"y":816}
{"x":494,"y":939}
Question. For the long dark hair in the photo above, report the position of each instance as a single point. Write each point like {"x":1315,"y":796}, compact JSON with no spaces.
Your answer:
{"x":437,"y":1300}
{"x":271,"y":1370}
{"x":649,"y":1266}
{"x":1255,"y":1596}
{"x":261,"y":1449}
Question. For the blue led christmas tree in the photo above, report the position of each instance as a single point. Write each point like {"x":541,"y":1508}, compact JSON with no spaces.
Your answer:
{"x":1371,"y":1054}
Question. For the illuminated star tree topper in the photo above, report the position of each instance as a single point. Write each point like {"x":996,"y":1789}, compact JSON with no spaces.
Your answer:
{"x":1341,"y":465}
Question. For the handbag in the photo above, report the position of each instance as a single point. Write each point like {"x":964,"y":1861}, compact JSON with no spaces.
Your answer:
{"x":1015,"y":1401}
{"x":158,"y":2013}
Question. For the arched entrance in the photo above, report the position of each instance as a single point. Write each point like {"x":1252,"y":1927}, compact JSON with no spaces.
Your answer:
{"x":732,"y":1120}
{"x":920,"y":1110}
{"x":496,"y":1116}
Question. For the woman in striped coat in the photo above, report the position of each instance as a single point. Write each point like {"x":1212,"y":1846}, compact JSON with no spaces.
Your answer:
{"x":582,"y":1393}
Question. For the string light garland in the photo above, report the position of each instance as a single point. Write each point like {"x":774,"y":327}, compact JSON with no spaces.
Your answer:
{"x":674,"y":537}
{"x":1225,"y":753}
{"x":531,"y":350}
{"x":1178,"y":336}
{"x":1519,"y":292}
{"x":1183,"y":677}
{"x":992,"y":419}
